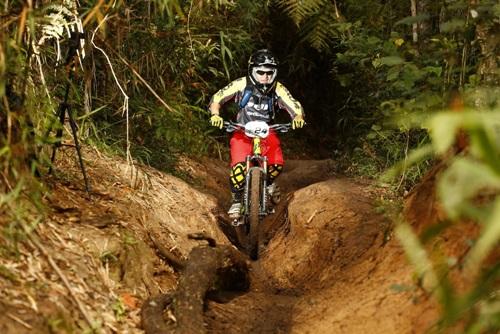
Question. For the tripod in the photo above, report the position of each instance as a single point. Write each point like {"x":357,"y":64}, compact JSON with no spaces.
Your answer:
{"x":65,"y":108}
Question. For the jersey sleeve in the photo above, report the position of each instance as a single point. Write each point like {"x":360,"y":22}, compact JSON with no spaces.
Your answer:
{"x":229,"y":92}
{"x":288,"y":102}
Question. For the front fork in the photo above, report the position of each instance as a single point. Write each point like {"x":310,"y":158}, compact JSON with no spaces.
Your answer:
{"x":262,"y":165}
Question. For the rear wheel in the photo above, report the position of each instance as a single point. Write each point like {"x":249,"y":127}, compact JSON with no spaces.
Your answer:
{"x":254,"y":213}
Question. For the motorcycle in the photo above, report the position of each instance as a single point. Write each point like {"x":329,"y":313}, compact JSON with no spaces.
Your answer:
{"x":257,"y":203}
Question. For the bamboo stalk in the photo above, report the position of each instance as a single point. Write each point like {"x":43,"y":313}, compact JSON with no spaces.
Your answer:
{"x":189,"y":30}
{"x":22,"y":24}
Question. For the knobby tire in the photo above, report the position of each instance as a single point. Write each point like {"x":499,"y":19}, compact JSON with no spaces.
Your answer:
{"x":254,"y":214}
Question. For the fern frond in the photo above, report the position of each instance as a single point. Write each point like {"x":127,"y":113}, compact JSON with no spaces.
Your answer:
{"x":316,"y":19}
{"x":320,"y":29}
{"x":57,"y":20}
{"x":56,"y":24}
{"x":299,"y":10}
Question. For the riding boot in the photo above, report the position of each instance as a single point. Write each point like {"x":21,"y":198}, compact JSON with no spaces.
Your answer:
{"x":236,"y":205}
{"x":274,"y":193}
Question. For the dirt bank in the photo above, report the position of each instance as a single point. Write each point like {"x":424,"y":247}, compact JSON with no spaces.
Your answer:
{"x":330,"y":264}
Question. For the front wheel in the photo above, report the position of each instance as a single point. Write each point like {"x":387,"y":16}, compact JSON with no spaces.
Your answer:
{"x":254,"y":213}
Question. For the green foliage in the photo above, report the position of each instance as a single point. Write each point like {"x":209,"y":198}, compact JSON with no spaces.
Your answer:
{"x":108,"y":257}
{"x":419,"y":259}
{"x":300,"y":10}
{"x":316,"y":19}
{"x":60,"y":323}
{"x":382,"y":73}
{"x":410,"y":20}
{"x":119,"y":308}
{"x":184,"y":51}
{"x":129,"y":239}
{"x":392,"y":92}
{"x":172,"y":9}
{"x":469,"y":188}
{"x":184,"y":64}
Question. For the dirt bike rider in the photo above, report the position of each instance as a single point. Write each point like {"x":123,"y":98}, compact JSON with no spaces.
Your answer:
{"x":257,"y":96}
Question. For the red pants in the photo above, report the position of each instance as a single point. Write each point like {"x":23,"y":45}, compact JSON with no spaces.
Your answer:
{"x":241,"y":146}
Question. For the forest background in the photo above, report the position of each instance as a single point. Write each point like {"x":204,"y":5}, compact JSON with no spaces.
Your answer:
{"x":390,"y":88}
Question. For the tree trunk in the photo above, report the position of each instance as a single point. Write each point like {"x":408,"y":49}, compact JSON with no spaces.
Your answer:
{"x":489,"y":43}
{"x":424,"y":26}
{"x":415,"y":25}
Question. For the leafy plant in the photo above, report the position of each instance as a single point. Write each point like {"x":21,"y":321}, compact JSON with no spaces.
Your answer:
{"x":119,"y":308}
{"x":387,"y":74}
{"x":469,"y":188}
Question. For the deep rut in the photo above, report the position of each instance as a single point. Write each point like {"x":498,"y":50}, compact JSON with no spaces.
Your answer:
{"x":328,"y":228}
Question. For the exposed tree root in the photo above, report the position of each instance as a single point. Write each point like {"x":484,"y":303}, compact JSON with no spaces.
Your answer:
{"x":208,"y":268}
{"x":177,"y":263}
{"x":152,"y":314}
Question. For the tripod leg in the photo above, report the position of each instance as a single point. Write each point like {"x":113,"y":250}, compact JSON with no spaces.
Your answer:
{"x":78,"y":150}
{"x":59,"y":133}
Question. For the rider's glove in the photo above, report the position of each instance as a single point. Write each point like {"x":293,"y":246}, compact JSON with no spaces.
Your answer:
{"x":217,"y":121}
{"x":297,"y":122}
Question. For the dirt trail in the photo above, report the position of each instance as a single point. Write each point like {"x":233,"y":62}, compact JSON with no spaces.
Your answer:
{"x":329,"y":264}
{"x":328,"y":269}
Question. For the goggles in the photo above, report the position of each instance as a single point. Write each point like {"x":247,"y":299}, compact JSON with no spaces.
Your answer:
{"x":264,"y":75}
{"x":261,"y":72}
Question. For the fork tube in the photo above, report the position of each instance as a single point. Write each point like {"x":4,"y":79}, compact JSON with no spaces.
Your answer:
{"x":247,"y":183}
{"x":249,"y":157}
{"x":264,"y":186}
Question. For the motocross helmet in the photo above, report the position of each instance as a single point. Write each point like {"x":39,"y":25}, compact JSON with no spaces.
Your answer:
{"x":263,"y":60}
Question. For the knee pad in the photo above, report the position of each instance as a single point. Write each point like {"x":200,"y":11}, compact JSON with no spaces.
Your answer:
{"x":273,"y":171}
{"x":237,"y":177}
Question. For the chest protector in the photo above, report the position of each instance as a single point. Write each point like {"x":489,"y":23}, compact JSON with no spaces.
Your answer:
{"x":255,"y":105}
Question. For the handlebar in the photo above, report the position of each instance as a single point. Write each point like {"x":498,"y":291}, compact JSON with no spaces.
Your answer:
{"x":232,"y":126}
